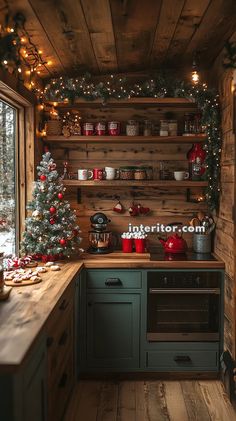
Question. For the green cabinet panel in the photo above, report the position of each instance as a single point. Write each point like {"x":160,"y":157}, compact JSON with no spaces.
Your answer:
{"x":108,"y":279}
{"x":113,"y":331}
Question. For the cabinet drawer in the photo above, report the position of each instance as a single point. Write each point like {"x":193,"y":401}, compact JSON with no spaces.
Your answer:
{"x":182,"y":360}
{"x":61,"y":392}
{"x":118,"y":279}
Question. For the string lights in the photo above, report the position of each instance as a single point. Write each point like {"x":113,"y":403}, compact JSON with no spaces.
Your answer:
{"x":19,"y":55}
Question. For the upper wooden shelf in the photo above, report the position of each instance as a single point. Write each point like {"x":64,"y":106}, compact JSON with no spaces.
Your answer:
{"x":152,"y":102}
{"x":125,"y":139}
{"x":123,"y":183}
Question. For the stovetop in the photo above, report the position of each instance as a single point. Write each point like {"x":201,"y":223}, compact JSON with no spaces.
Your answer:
{"x":160,"y":255}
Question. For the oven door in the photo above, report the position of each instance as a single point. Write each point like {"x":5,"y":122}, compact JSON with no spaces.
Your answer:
{"x":183,"y":314}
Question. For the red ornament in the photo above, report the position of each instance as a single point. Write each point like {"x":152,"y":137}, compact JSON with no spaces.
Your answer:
{"x":52,"y":210}
{"x":62,"y":241}
{"x":43,"y":177}
{"x":52,"y":221}
{"x":60,"y":196}
{"x":118,"y":208}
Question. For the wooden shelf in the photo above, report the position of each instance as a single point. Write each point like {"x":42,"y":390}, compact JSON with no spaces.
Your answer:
{"x":142,"y":101}
{"x":125,"y":139}
{"x":134,"y":183}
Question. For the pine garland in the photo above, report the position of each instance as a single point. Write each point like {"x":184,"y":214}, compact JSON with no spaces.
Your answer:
{"x":158,"y":86}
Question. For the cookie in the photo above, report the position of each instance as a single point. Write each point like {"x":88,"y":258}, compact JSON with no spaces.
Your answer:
{"x":41,"y":269}
{"x":34,"y":278}
{"x":55,"y":267}
{"x":48,"y":264}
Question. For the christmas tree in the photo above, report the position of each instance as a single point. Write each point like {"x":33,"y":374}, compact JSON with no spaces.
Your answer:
{"x":51,"y":229}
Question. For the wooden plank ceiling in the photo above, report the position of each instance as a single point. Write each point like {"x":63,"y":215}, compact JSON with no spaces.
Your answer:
{"x":102,"y":36}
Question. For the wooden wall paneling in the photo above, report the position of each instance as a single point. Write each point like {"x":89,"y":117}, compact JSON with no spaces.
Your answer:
{"x":134,"y":24}
{"x":217,"y":25}
{"x":98,"y":17}
{"x":191,"y":15}
{"x":169,"y":16}
{"x":65,"y":27}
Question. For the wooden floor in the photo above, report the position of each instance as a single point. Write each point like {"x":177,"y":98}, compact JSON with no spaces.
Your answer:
{"x":150,"y":401}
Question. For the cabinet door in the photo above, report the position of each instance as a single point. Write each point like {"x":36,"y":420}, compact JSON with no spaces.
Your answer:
{"x":113,"y":330}
{"x":35,"y":388}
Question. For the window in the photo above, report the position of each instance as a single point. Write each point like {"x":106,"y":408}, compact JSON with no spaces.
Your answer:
{"x":8,"y":179}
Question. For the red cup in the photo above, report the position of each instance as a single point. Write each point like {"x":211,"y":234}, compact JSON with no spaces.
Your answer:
{"x":88,"y":129}
{"x":113,"y":128}
{"x":98,"y":173}
{"x":127,"y":245}
{"x":100,"y":129}
{"x":140,"y":245}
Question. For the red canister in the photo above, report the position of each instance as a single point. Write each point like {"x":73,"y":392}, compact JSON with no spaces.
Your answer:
{"x":100,"y":128}
{"x":113,"y":128}
{"x":127,"y":245}
{"x":140,"y":245}
{"x":88,"y":129}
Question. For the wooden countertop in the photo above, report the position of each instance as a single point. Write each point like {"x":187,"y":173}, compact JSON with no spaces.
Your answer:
{"x":24,"y":315}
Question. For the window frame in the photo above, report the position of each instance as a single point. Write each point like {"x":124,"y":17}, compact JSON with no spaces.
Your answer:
{"x":24,"y":103}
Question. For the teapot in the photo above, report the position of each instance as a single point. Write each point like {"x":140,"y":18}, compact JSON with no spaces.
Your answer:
{"x":175,"y":243}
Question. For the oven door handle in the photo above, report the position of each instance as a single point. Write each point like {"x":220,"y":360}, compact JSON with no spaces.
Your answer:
{"x":195,"y":291}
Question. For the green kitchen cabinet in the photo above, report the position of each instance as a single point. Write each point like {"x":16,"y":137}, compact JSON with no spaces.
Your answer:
{"x":113,"y":331}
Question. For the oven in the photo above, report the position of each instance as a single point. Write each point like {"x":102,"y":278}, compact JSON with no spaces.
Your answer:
{"x":183,"y":306}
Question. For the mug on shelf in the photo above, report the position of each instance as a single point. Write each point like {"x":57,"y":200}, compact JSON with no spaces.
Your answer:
{"x":98,"y":174}
{"x":111,"y":173}
{"x":181,"y":175}
{"x":85,"y":174}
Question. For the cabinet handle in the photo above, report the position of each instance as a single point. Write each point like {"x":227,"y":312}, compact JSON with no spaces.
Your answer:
{"x":50,"y":341}
{"x":113,"y":282}
{"x":63,"y":380}
{"x":182,"y":359}
{"x":64,"y":305}
{"x":63,"y":338}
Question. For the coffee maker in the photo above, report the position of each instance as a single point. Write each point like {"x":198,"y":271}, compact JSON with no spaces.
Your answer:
{"x":100,"y":239}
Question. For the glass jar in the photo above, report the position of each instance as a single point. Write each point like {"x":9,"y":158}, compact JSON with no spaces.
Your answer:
{"x":88,"y":129}
{"x":113,"y":128}
{"x":1,"y":272}
{"x":127,"y":173}
{"x":164,"y":128}
{"x":147,"y":130}
{"x":100,"y":128}
{"x":172,"y":127}
{"x":149,"y":172}
{"x":132,"y":128}
{"x":188,"y":124}
{"x":140,"y":174}
{"x":165,"y":174}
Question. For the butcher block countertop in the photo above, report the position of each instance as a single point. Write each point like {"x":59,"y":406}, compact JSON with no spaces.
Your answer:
{"x":24,"y":315}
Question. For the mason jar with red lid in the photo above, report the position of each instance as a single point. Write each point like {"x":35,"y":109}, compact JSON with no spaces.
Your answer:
{"x":113,"y":128}
{"x":100,"y":128}
{"x":88,"y":129}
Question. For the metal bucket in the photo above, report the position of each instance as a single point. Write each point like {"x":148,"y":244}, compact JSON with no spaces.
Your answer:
{"x":202,"y":243}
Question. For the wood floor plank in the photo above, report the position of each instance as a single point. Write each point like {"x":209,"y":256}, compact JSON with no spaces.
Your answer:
{"x":89,"y":402}
{"x":175,"y":402}
{"x":156,"y":402}
{"x":73,"y":407}
{"x":217,"y":401}
{"x":126,"y":401}
{"x":140,"y":407}
{"x":107,"y":410}
{"x":196,"y":407}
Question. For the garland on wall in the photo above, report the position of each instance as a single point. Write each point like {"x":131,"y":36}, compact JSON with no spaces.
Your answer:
{"x":68,"y":90}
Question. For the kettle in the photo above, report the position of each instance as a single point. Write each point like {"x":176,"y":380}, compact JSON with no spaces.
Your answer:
{"x":175,"y":243}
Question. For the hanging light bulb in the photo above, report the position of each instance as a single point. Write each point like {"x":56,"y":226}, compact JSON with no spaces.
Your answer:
{"x":195,"y":74}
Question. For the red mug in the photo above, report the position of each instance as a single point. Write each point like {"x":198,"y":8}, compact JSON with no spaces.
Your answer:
{"x":127,"y":245}
{"x":140,"y":245}
{"x":98,"y":173}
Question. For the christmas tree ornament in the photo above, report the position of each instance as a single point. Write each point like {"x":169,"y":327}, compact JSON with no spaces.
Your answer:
{"x":43,"y":177}
{"x":62,"y":241}
{"x":52,"y":166}
{"x":118,"y":208}
{"x":52,"y":210}
{"x":60,"y":196}
{"x":42,"y":188}
{"x":133,"y":210}
{"x":52,"y":221}
{"x":37,"y":215}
